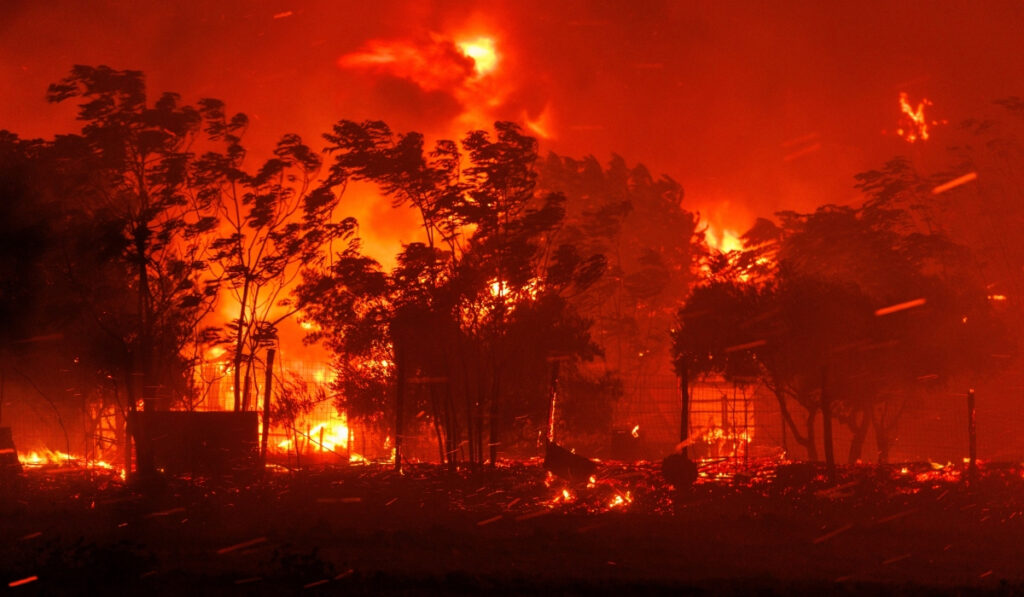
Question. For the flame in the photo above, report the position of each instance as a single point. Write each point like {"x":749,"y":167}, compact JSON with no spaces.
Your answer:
{"x":913,"y":125}
{"x":562,"y":497}
{"x":501,"y":289}
{"x":723,"y":240}
{"x":636,"y":431}
{"x":620,"y":500}
{"x":503,"y":292}
{"x":324,"y":437}
{"x":47,"y":457}
{"x":483,"y":53}
{"x":470,"y":65}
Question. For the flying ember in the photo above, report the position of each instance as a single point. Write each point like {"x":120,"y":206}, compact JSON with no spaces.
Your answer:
{"x":913,"y":124}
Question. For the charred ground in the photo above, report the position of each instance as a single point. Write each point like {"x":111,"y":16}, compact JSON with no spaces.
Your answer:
{"x":368,"y":530}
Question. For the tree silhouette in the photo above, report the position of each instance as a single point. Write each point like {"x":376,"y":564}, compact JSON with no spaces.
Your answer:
{"x":650,"y":241}
{"x":275,"y":222}
{"x":807,"y":301}
{"x":132,"y":158}
{"x":453,"y":318}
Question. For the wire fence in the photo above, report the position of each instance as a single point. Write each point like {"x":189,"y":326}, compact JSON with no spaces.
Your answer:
{"x":727,"y":421}
{"x":744,"y":421}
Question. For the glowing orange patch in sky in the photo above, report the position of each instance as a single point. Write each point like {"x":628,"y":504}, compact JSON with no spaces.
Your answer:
{"x":434,"y":64}
{"x":483,"y":53}
{"x":470,"y":66}
{"x":913,"y":125}
{"x":541,"y":125}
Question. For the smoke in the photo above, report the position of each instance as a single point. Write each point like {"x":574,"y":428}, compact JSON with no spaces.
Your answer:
{"x":708,"y":93}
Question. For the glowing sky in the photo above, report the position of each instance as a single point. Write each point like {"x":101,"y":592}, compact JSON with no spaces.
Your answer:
{"x":752,"y":106}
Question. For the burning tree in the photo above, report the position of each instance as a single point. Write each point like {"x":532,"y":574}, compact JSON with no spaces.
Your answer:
{"x":159,"y":217}
{"x":849,"y":312}
{"x":275,"y":222}
{"x":461,"y":315}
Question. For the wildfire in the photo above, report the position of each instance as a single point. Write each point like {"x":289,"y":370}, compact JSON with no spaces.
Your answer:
{"x":46,"y":457}
{"x":468,"y":65}
{"x":620,"y":500}
{"x":913,"y":124}
{"x":723,"y":240}
{"x":562,"y":497}
{"x":503,"y":292}
{"x":323,"y":438}
{"x":483,"y":53}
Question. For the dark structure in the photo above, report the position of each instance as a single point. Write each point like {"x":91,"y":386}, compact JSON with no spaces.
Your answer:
{"x":9,"y":462}
{"x":201,"y":443}
{"x":566,"y":464}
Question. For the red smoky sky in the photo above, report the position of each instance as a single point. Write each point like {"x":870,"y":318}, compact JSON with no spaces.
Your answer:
{"x":752,"y":106}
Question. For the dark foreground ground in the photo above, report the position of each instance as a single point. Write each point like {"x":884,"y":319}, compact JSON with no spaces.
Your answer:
{"x":364,"y":530}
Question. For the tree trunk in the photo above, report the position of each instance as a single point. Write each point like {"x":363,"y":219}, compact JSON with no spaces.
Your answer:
{"x":267,"y":394}
{"x":553,"y":402}
{"x":811,"y":444}
{"x":495,"y":434}
{"x":247,"y":383}
{"x":239,"y":345}
{"x":399,"y":407}
{"x":787,"y":420}
{"x":452,"y":431}
{"x":145,"y":464}
{"x":860,"y":434}
{"x":436,"y":410}
{"x":826,"y":418}
{"x":881,"y":440}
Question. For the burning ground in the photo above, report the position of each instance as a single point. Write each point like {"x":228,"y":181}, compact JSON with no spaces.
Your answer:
{"x":365,"y":529}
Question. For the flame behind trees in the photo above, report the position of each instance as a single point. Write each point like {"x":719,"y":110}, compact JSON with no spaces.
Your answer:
{"x":811,"y":317}
{"x":273,"y":223}
{"x":129,"y":169}
{"x":473,"y":357}
{"x":155,"y":229}
{"x":135,"y":158}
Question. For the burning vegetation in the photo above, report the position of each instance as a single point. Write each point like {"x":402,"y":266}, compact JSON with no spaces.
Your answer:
{"x":213,"y":373}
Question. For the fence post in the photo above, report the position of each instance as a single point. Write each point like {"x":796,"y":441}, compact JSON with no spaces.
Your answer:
{"x":972,"y":436}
